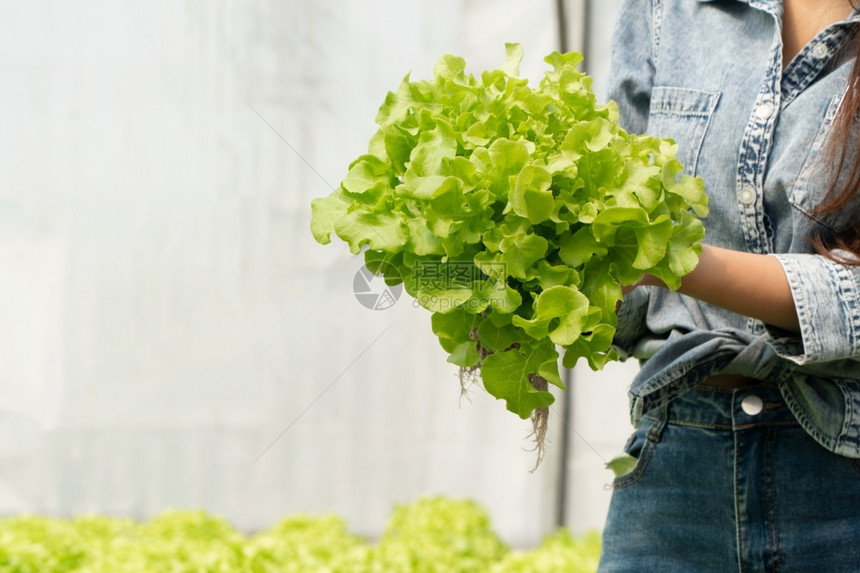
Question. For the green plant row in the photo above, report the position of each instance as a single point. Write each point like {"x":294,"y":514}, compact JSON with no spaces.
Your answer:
{"x":430,"y":535}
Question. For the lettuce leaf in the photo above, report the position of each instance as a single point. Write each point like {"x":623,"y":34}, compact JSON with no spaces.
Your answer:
{"x":515,"y":214}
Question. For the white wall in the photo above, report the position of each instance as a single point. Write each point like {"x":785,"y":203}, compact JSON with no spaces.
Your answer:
{"x":166,"y":316}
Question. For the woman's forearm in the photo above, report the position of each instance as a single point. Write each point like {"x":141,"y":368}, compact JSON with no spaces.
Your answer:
{"x":746,"y":283}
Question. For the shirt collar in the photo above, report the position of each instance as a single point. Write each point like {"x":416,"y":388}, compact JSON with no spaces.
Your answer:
{"x":772,"y":6}
{"x":775,"y":6}
{"x":766,"y":4}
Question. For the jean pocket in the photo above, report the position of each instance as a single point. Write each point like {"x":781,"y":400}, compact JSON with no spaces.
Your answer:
{"x":640,"y":446}
{"x":682,"y":115}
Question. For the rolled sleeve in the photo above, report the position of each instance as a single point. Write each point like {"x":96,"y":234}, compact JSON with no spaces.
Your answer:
{"x":828,"y":309}
{"x":632,"y":64}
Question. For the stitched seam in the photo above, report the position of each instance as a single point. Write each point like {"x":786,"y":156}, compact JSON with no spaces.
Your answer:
{"x":657,"y":21}
{"x":765,"y":136}
{"x":708,"y":425}
{"x":636,"y":474}
{"x":848,"y":289}
{"x":801,"y":304}
{"x":807,"y":166}
{"x":806,"y":422}
{"x":798,"y":79}
{"x":768,"y":494}
{"x":848,"y":413}
{"x":738,"y":532}
{"x":766,"y":424}
{"x":684,"y":113}
{"x":712,"y":106}
{"x":746,"y":426}
{"x":773,"y":529}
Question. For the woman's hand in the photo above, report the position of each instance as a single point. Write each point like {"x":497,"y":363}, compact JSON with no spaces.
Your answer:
{"x":647,"y":280}
{"x":746,"y":283}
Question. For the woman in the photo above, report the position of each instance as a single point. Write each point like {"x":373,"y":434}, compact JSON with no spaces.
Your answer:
{"x":747,"y":406}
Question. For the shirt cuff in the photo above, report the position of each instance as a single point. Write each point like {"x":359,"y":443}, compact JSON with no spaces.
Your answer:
{"x":828,"y":309}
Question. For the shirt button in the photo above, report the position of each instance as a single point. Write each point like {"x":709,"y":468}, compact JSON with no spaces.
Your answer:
{"x":764,"y":110}
{"x":747,"y":196}
{"x":820,"y":50}
{"x":752,"y":405}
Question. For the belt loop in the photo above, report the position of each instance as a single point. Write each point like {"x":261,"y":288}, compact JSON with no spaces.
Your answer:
{"x":656,"y":429}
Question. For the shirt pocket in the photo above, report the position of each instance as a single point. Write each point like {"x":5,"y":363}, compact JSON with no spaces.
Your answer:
{"x":683,"y":115}
{"x":815,"y":174}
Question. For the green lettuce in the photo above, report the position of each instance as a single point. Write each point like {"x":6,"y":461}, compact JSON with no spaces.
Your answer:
{"x":515,"y":215}
{"x":431,"y":534}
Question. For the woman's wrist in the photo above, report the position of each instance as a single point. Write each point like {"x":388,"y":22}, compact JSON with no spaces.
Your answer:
{"x":750,"y":284}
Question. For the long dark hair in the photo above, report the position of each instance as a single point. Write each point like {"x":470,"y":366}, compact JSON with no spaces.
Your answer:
{"x":843,"y":189}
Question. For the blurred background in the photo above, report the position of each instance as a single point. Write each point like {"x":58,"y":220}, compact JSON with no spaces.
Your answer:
{"x":170,"y":333}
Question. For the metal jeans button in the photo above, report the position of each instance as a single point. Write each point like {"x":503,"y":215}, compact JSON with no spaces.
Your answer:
{"x":752,"y":404}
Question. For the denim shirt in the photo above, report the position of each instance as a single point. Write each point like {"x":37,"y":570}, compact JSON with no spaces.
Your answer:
{"x":709,"y":74}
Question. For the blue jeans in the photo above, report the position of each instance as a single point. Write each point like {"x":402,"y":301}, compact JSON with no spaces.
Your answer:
{"x":720,"y":488}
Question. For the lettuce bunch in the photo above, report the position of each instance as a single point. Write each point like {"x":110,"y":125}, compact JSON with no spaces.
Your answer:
{"x":515,"y":215}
